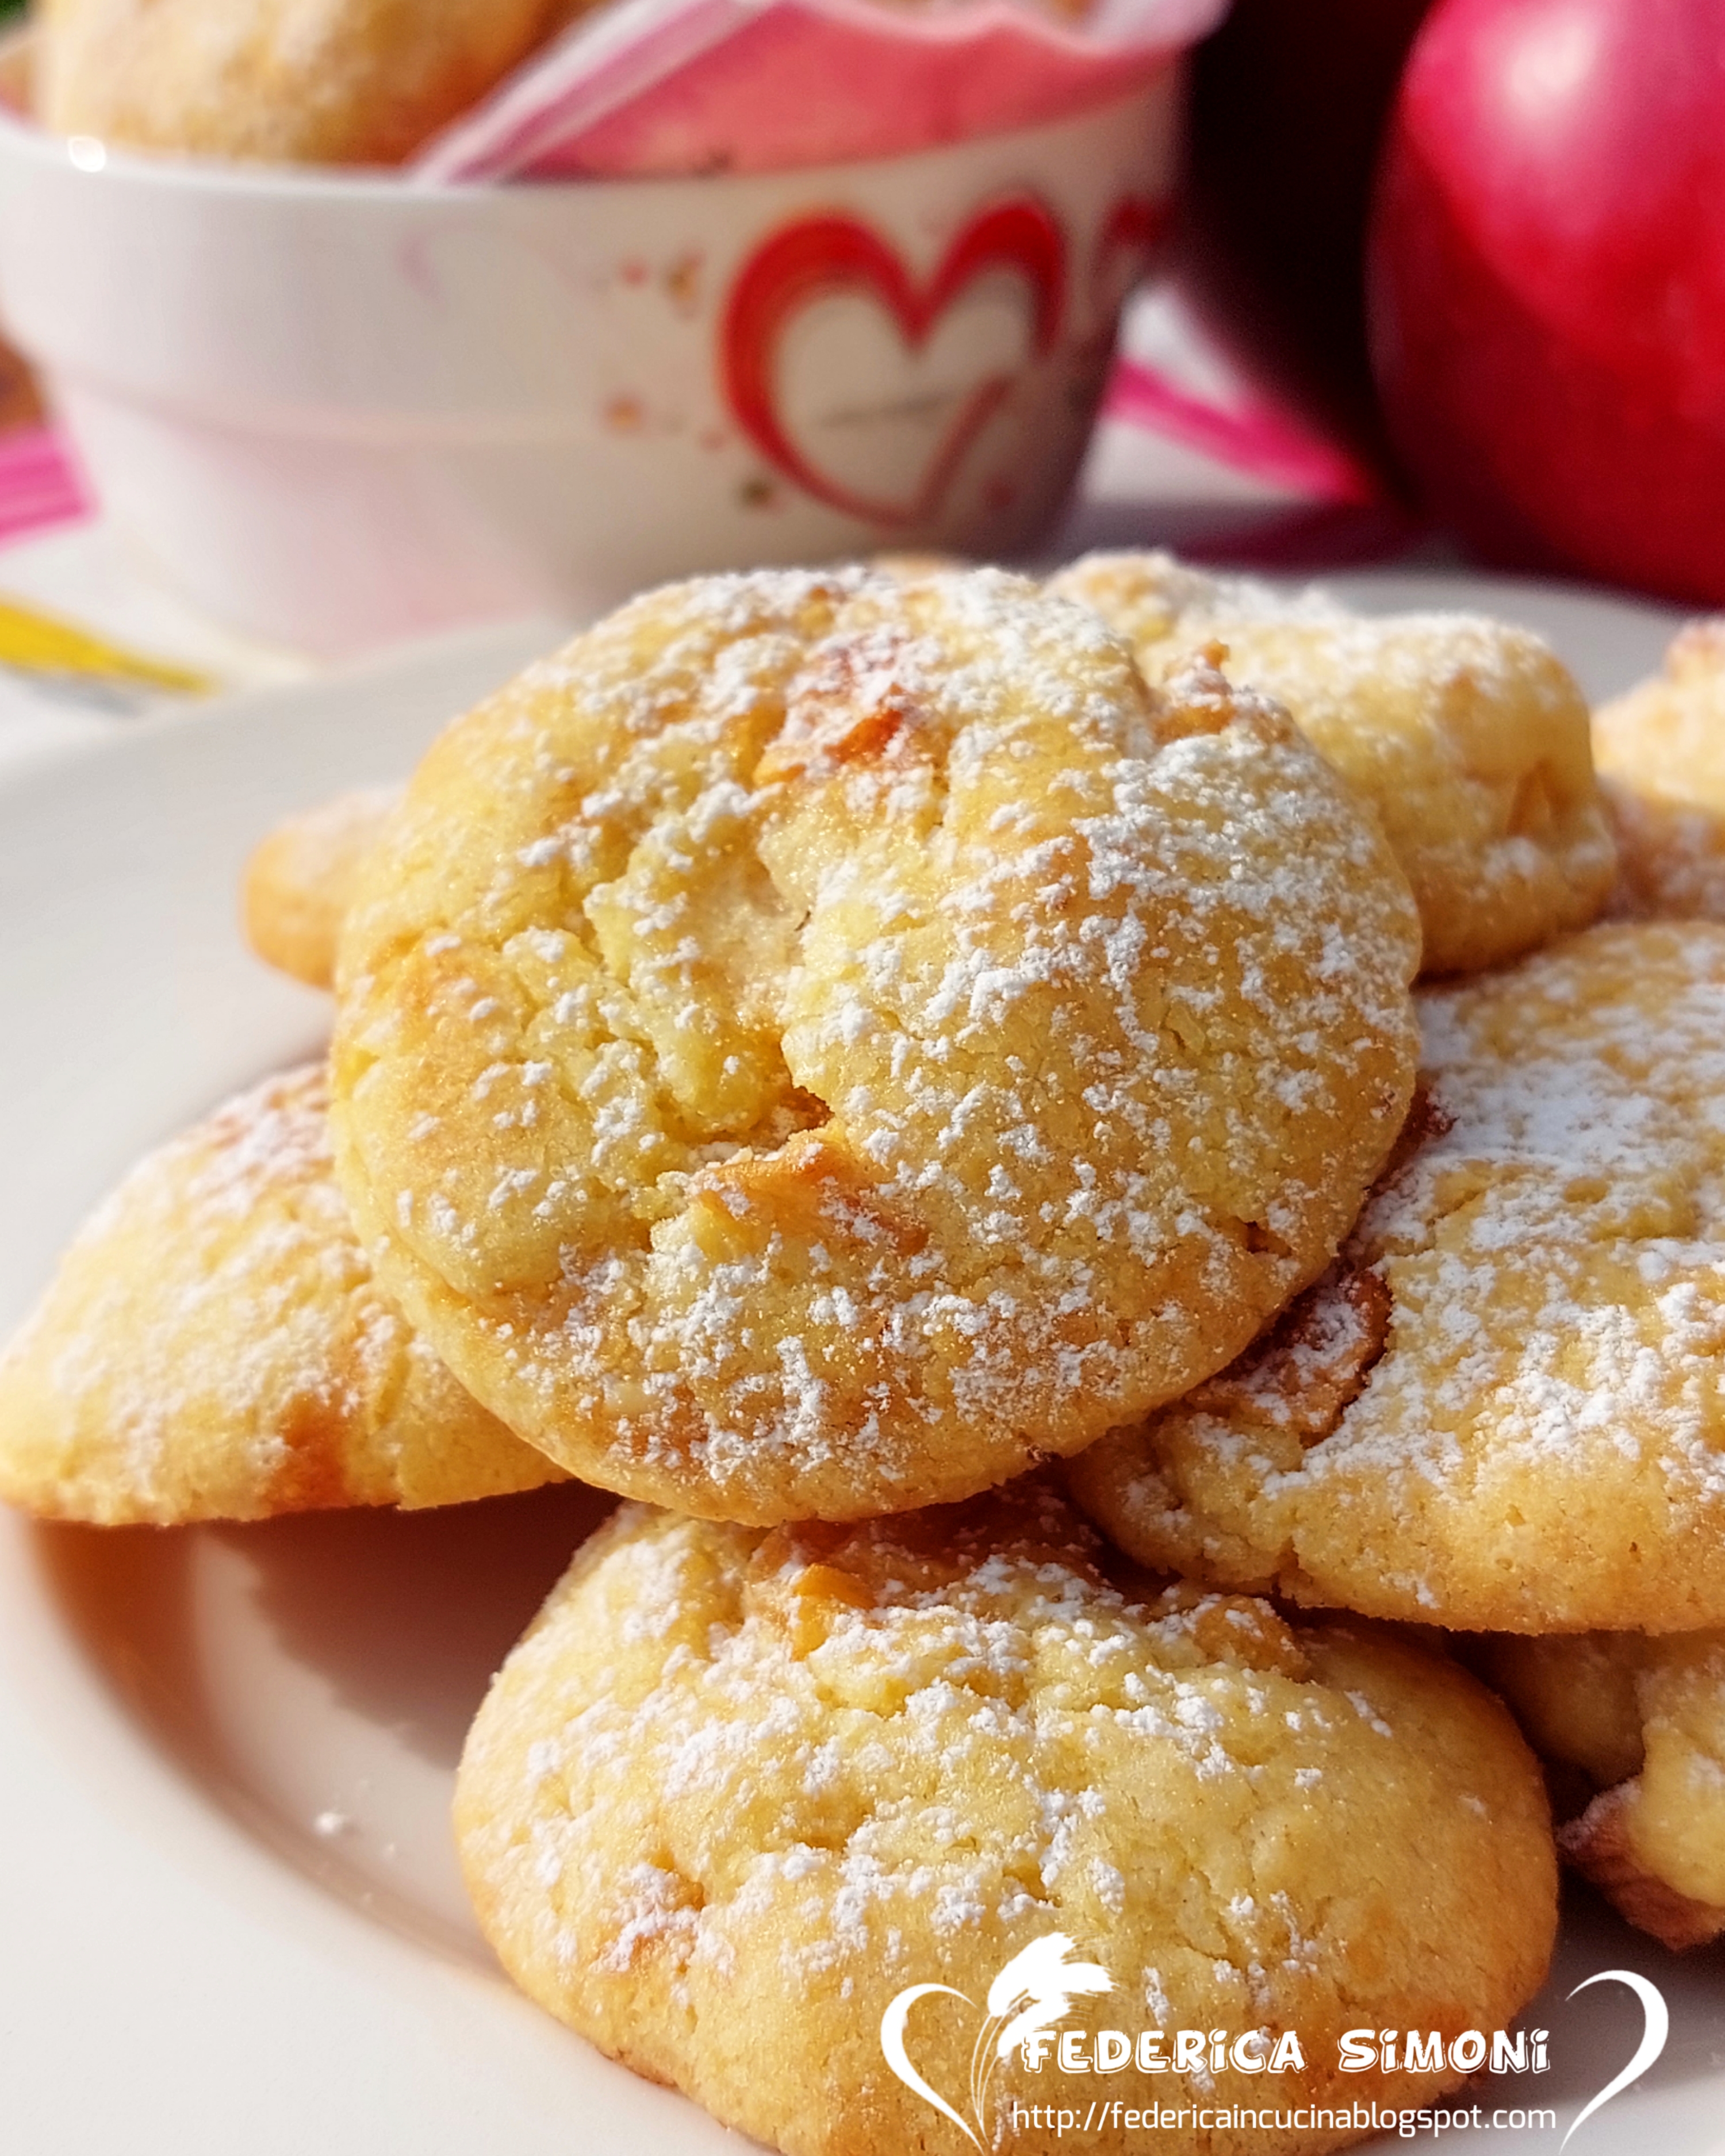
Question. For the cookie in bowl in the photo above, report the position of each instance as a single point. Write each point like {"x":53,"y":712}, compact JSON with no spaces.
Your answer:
{"x":328,"y":82}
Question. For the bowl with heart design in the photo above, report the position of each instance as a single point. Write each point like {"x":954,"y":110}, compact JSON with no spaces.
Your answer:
{"x":341,"y":408}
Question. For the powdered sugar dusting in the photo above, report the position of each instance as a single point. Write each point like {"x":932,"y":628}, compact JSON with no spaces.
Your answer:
{"x":214,"y":1345}
{"x":1532,"y":1434}
{"x":862,"y":1758}
{"x":1468,"y":737}
{"x":212,"y":1203}
{"x":942,"y":1030}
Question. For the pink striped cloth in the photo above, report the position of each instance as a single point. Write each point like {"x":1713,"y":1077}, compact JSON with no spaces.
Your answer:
{"x":657,"y":87}
{"x":1247,"y":433}
{"x":40,"y":484}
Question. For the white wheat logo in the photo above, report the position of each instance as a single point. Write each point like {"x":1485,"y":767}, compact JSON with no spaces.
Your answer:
{"x":1034,"y":1990}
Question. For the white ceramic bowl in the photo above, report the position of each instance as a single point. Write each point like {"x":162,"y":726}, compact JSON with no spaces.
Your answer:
{"x":338,"y":410}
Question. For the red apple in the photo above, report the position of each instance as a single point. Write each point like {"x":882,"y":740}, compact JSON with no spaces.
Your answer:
{"x":1547,"y":283}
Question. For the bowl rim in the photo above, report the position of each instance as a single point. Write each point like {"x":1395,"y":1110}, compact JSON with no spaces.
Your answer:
{"x":24,"y":139}
{"x":98,"y":163}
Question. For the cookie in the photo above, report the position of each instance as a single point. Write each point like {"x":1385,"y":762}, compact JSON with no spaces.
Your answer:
{"x":300,"y":880}
{"x":213,"y":1346}
{"x":1643,"y":1720}
{"x":736,"y":1792}
{"x":1469,"y":739}
{"x":823,"y":1040}
{"x":331,"y":82}
{"x":1502,"y":1410}
{"x":1660,"y":752}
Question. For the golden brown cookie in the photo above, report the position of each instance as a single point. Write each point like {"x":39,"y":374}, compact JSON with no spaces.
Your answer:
{"x":1660,"y":752}
{"x":301,"y":878}
{"x":822,"y":1040}
{"x":911,"y":568}
{"x":1504,"y":1409}
{"x":330,"y":82}
{"x":1643,"y":1721}
{"x":213,"y":1346}
{"x":736,"y":1792}
{"x":1468,"y":738}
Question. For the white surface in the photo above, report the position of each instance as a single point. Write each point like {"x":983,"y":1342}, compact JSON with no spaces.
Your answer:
{"x":190,"y":1967}
{"x":83,"y":573}
{"x":340,"y":410}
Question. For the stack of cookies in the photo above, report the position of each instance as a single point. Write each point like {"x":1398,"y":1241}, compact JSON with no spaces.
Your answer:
{"x":913,"y":1080}
{"x":1502,"y":1410}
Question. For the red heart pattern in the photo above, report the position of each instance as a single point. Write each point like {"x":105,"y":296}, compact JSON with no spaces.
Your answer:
{"x":818,"y":256}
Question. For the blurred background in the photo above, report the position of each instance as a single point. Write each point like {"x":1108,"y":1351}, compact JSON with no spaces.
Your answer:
{"x":1421,"y":282}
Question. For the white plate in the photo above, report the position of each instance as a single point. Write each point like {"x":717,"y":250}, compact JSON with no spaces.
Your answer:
{"x":189,"y":1965}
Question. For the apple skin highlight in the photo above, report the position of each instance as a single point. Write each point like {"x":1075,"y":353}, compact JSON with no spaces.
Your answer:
{"x":1546,"y":279}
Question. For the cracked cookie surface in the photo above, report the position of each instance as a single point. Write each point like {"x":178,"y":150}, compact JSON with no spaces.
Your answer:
{"x":214,"y":1346}
{"x":736,"y":1791}
{"x":1504,"y":1409}
{"x":822,"y":1040}
{"x":1468,"y":737}
{"x":1643,"y":1721}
